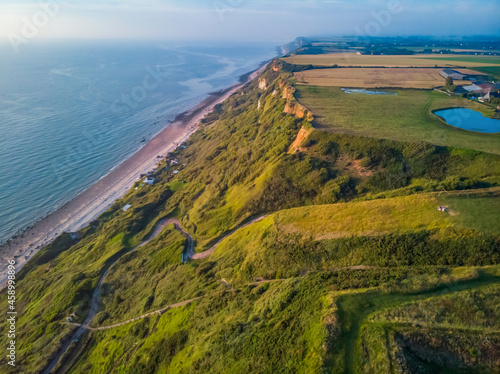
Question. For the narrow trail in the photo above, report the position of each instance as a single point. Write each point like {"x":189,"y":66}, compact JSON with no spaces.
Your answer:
{"x":94,"y":307}
{"x":208,"y":252}
{"x":189,"y":301}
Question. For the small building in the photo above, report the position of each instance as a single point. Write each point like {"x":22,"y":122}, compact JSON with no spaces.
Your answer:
{"x":126,"y":207}
{"x":175,"y":172}
{"x":149,"y":180}
{"x":453,"y":74}
{"x":489,"y":95}
{"x":472,"y":88}
{"x":488,"y":87}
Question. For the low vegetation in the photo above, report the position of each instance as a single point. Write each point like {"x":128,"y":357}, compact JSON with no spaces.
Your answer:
{"x":335,"y":279}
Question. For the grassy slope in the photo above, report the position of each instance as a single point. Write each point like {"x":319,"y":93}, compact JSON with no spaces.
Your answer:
{"x":364,"y":218}
{"x":404,"y":117}
{"x":278,"y":325}
{"x":365,"y":344}
{"x":476,"y":213}
{"x":235,"y":164}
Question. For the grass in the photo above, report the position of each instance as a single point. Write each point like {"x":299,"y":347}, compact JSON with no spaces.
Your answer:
{"x":300,"y":325}
{"x":406,"y":116}
{"x":351,"y":59}
{"x":489,"y":60}
{"x":372,"y":78}
{"x":238,"y":166}
{"x":277,"y":325}
{"x":376,"y":217}
{"x":177,"y":186}
{"x":388,"y":232}
{"x":355,"y":309}
{"x":491,"y":70}
{"x":480,"y":213}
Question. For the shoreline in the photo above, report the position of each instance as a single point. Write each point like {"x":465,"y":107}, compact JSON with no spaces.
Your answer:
{"x":95,"y":200}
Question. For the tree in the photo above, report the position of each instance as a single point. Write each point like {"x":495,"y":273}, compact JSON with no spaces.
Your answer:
{"x":449,"y":85}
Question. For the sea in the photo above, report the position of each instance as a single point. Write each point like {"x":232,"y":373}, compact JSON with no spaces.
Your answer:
{"x":71,"y":111}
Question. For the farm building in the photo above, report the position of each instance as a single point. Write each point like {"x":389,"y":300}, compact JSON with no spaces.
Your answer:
{"x":488,"y":87}
{"x":445,"y":73}
{"x":472,"y":88}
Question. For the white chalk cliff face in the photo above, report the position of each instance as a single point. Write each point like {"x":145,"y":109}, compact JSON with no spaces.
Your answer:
{"x":262,"y":83}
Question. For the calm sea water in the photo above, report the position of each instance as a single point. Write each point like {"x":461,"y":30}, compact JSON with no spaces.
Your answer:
{"x":70,"y":112}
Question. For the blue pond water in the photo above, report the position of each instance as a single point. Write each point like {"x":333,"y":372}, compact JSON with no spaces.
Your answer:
{"x":354,"y":91}
{"x":470,"y":120}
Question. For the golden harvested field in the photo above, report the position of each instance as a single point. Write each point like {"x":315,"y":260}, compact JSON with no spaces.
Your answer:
{"x":353,"y":59}
{"x":372,"y":77}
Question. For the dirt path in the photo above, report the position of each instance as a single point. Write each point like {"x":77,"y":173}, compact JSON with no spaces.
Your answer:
{"x":208,"y":252}
{"x":94,"y":306}
{"x":159,"y":311}
{"x":186,"y":302}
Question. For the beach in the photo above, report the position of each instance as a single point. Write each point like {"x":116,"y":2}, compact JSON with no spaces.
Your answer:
{"x":90,"y":204}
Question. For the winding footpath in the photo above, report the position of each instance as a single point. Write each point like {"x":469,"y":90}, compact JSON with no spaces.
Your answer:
{"x":94,"y":307}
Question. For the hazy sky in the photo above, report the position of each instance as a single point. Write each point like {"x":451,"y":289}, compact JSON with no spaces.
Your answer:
{"x":257,"y":20}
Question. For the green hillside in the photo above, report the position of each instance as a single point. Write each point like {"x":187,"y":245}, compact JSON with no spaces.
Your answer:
{"x":350,"y":250}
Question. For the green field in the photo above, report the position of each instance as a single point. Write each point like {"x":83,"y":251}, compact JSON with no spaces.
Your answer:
{"x":401,"y":214}
{"x":490,"y":60}
{"x":404,"y":117}
{"x":491,"y":70}
{"x":353,"y":59}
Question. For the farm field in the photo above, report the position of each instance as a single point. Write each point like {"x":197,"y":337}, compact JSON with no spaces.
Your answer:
{"x":374,"y":78}
{"x":490,"y":70}
{"x":351,"y":59}
{"x":406,"y":116}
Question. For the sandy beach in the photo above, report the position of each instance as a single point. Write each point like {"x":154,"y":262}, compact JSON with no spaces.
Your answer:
{"x":87,"y":206}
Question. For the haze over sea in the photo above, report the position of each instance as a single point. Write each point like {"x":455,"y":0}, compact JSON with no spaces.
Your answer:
{"x":71,"y":111}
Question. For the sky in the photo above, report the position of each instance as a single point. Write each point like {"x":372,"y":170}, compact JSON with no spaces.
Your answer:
{"x":246,"y":20}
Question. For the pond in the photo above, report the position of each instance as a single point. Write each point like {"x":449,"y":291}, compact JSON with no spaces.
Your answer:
{"x":468,"y":119}
{"x":366,"y":92}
